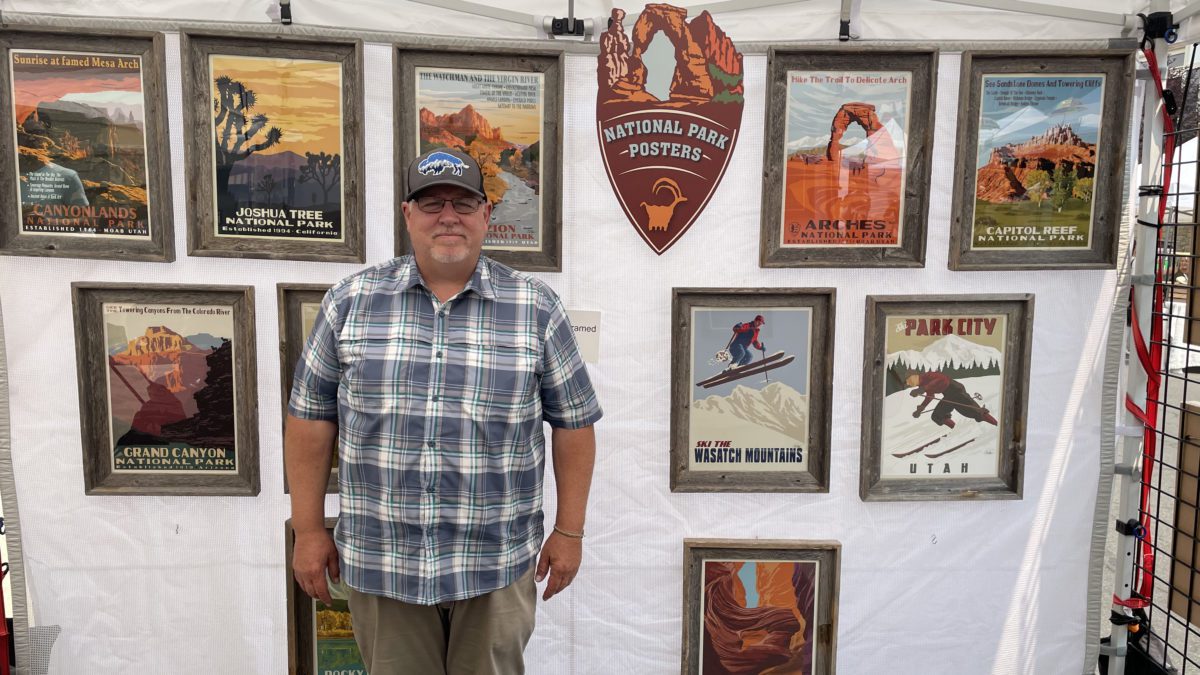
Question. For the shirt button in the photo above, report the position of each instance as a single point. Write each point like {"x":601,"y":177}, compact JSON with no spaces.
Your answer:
{"x":439,"y":355}
{"x":435,"y":398}
{"x":429,"y":490}
{"x":432,"y":444}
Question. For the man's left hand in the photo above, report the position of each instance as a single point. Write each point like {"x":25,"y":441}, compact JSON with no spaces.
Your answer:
{"x":560,"y":557}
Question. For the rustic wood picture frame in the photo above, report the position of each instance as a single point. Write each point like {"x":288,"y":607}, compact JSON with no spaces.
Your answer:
{"x":918,"y":158}
{"x":827,"y":555}
{"x":292,"y":337}
{"x":1108,"y":194}
{"x":821,"y":303}
{"x":196,"y":48}
{"x":91,"y":354}
{"x":301,"y":624}
{"x":160,"y":245}
{"x":1018,"y":345}
{"x":548,"y":258}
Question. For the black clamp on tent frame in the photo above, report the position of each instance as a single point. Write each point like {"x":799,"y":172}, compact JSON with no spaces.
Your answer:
{"x":1131,"y":528}
{"x":1121,"y":619}
{"x":1157,"y":25}
{"x":285,"y":12}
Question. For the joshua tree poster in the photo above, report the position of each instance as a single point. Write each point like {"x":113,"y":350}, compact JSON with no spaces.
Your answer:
{"x":80,"y":129}
{"x":496,"y":117}
{"x":277,"y":147}
{"x":1036,"y":160}
{"x":171,"y":389}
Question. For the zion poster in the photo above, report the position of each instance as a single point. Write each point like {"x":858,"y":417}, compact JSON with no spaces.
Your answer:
{"x":750,"y":389}
{"x":277,"y":147}
{"x":845,"y":158}
{"x":171,"y":388}
{"x":758,"y":616}
{"x":943,"y":396}
{"x":495,"y":117}
{"x":80,"y":129}
{"x":1035,"y":161}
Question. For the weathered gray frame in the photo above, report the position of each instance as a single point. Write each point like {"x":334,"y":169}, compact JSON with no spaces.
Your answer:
{"x":301,"y":637}
{"x":922,"y":63}
{"x":291,"y":344}
{"x":820,"y":382}
{"x":829,"y":578}
{"x":197,"y":125}
{"x":550,"y":64}
{"x":98,"y":477}
{"x":1108,"y":193}
{"x":160,"y":246}
{"x":19,"y":600}
{"x":1009,"y":481}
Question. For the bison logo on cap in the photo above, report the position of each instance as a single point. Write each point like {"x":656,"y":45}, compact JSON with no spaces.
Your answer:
{"x":437,"y":164}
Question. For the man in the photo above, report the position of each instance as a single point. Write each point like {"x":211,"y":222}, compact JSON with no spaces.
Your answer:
{"x":955,"y":399}
{"x":745,"y":335}
{"x":434,"y":372}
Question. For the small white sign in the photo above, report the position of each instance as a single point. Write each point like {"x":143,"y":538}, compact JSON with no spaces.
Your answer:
{"x":587,"y":333}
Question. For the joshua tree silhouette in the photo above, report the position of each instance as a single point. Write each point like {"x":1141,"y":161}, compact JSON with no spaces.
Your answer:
{"x":236,"y":131}
{"x":324,"y":169}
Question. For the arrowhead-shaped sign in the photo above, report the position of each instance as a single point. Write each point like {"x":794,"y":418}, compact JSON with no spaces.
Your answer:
{"x":668,"y":113}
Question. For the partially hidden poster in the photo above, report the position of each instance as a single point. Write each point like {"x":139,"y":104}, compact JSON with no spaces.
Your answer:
{"x":334,"y":650}
{"x":171,"y":388}
{"x":80,"y":131}
{"x":758,"y":616}
{"x":750,"y":389}
{"x":943,"y":395}
{"x":277,"y":147}
{"x":495,"y":117}
{"x":845,"y":159}
{"x":1035,"y":164}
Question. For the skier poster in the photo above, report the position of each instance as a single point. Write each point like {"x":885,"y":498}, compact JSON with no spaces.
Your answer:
{"x":944,"y":396}
{"x":747,"y":377}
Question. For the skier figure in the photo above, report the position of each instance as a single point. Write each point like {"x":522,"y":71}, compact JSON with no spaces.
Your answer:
{"x":745,"y":335}
{"x":954,"y":398}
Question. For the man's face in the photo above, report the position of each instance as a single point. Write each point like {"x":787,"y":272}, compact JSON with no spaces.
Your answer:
{"x":447,"y":236}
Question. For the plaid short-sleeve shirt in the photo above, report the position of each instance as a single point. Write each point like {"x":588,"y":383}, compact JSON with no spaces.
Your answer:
{"x":439,"y":410}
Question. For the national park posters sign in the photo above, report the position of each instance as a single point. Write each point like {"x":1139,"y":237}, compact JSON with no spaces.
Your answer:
{"x":758,"y":616}
{"x":1036,"y":161}
{"x":171,"y":388}
{"x":277,"y":147}
{"x":495,"y":117}
{"x":80,"y":131}
{"x":943,"y":395}
{"x":845,"y":159}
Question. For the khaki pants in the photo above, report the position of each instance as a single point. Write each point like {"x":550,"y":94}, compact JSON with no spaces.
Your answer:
{"x":478,"y":636}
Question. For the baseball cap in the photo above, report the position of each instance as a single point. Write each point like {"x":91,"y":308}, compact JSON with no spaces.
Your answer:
{"x":444,"y":166}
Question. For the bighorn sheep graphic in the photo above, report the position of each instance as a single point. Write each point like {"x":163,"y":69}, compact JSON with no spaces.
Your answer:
{"x":659,"y":215}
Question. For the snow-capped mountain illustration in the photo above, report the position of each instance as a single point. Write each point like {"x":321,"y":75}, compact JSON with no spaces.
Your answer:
{"x":949,"y":351}
{"x":776,"y":407}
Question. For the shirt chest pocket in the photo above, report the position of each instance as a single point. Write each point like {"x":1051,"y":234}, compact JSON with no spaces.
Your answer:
{"x":492,"y":375}
{"x":384,"y":371}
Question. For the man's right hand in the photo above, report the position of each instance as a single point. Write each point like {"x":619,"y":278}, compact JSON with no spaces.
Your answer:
{"x":313,"y":554}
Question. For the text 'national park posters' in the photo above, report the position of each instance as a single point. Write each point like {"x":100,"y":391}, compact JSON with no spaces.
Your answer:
{"x":1036,"y":161}
{"x":171,"y":390}
{"x":750,"y":389}
{"x":278,"y":146}
{"x":496,"y":118}
{"x":81,"y":144}
{"x":943,"y":396}
{"x":845,"y":141}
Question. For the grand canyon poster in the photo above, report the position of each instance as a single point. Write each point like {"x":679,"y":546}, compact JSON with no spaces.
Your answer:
{"x":80,"y":129}
{"x":758,"y":616}
{"x":277,"y":142}
{"x":496,"y":117}
{"x":171,"y":391}
{"x":1036,"y":161}
{"x":845,"y":156}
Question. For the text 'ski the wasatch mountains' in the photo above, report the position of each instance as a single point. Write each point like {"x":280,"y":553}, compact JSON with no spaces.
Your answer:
{"x":277,"y":147}
{"x":496,"y":118}
{"x":668,"y":112}
{"x":171,"y":388}
{"x":1036,"y":161}
{"x":81,"y":143}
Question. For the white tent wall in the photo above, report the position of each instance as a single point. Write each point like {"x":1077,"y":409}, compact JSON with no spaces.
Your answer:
{"x":197,"y":584}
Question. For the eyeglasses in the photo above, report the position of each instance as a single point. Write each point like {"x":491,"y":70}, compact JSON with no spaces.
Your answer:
{"x":462,"y":205}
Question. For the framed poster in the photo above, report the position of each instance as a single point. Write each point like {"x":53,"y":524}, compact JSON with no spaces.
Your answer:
{"x":505,"y":110}
{"x":299,"y":307}
{"x":87,"y":172}
{"x":751,"y":376}
{"x":760,"y":606}
{"x":1041,"y":160}
{"x":275,"y":148}
{"x":945,"y":397}
{"x":167,"y":389}
{"x":320,"y":636}
{"x":847,"y":158}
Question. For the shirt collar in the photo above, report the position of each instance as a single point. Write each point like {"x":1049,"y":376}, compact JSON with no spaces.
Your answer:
{"x":480,"y":281}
